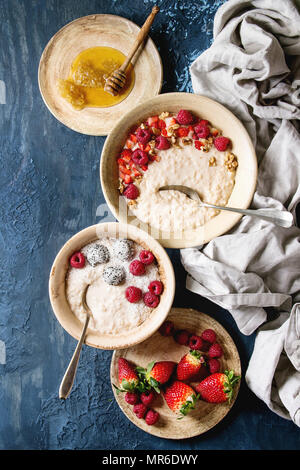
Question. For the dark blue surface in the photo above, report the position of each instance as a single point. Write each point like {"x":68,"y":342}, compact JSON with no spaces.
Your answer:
{"x":50,"y":190}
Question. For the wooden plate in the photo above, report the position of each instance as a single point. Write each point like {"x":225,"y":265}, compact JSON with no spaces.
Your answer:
{"x":83,"y":33}
{"x":159,"y":348}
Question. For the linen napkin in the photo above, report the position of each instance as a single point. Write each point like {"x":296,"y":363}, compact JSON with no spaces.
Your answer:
{"x":253,"y":68}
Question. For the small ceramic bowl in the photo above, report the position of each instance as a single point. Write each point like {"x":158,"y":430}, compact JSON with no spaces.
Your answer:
{"x":57,"y":286}
{"x":221,"y":118}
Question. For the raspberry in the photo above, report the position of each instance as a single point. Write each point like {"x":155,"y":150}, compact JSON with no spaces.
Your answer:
{"x":162,"y":143}
{"x":140,"y":410}
{"x":185,"y":117}
{"x":146,"y":257}
{"x":203,"y":122}
{"x":209,"y":335}
{"x":140,"y":157}
{"x":182,"y":337}
{"x":214,"y":366}
{"x":195,"y":342}
{"x":147,"y":397}
{"x":215,"y":351}
{"x":77,"y":260}
{"x":131,"y":398}
{"x":137,"y":268}
{"x":151,"y":300}
{"x":155,"y":287}
{"x":221,"y":143}
{"x":152,"y":417}
{"x":133,"y":294}
{"x":166,"y":328}
{"x":202,"y":131}
{"x":131,"y":191}
{"x":143,"y":135}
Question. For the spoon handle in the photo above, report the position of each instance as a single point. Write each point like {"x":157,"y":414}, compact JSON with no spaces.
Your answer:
{"x":140,"y":37}
{"x":280,"y":218}
{"x":68,"y":378}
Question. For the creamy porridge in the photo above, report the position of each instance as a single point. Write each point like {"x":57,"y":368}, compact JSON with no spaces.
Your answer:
{"x":124,"y":284}
{"x":177,"y":149}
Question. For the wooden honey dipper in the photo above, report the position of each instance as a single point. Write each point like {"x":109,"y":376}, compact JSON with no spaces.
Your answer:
{"x":116,"y":81}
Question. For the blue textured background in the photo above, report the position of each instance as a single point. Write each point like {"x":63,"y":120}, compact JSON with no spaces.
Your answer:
{"x":49,"y":190}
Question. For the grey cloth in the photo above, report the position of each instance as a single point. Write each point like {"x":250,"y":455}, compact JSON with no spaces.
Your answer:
{"x":253,"y":69}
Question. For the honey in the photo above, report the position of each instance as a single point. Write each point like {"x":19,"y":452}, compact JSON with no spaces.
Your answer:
{"x":84,"y":86}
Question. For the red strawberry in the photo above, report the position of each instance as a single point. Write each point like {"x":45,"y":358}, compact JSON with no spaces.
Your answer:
{"x":180,"y":397}
{"x":128,"y":378}
{"x":189,"y":365}
{"x":218,"y":388}
{"x":157,"y":373}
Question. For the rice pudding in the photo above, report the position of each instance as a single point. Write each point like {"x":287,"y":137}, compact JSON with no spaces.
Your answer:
{"x":180,"y":149}
{"x":124,"y":284}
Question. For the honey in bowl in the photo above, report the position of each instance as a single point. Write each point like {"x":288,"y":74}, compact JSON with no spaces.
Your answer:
{"x":85,"y":85}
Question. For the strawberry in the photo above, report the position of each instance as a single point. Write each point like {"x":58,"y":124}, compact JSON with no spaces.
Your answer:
{"x":157,"y":373}
{"x":128,"y":378}
{"x":189,"y":365}
{"x":180,"y":397}
{"x":218,"y":387}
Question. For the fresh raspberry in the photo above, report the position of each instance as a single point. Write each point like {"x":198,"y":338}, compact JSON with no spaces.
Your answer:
{"x":151,"y":417}
{"x":182,"y":337}
{"x":147,"y":397}
{"x":195,"y":342}
{"x":167,"y":328}
{"x":133,"y":294}
{"x":205,"y":346}
{"x":151,"y":300}
{"x":155,"y":287}
{"x":221,"y":143}
{"x":162,"y":143}
{"x":198,"y":144}
{"x":185,"y":117}
{"x":140,"y":157}
{"x":202,"y":131}
{"x":131,"y":191}
{"x":209,"y":335}
{"x":214,"y":366}
{"x":146,"y":257}
{"x":131,"y":398}
{"x":215,"y":350}
{"x":203,"y":122}
{"x":143,"y":135}
{"x":137,"y":268}
{"x":140,"y":410}
{"x":77,"y":260}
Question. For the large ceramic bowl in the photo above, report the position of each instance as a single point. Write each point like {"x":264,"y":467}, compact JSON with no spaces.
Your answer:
{"x":57,"y":286}
{"x":220,"y":117}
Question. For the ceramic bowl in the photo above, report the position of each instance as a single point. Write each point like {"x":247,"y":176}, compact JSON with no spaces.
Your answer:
{"x":220,"y":117}
{"x":57,"y":286}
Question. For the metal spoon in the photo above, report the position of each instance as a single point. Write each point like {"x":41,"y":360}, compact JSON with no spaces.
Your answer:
{"x":281,"y":218}
{"x":68,"y":378}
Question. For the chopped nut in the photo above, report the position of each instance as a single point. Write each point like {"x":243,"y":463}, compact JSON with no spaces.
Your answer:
{"x":212,"y":161}
{"x":151,"y":143}
{"x":132,"y":203}
{"x":186,"y":141}
{"x":155,"y":131}
{"x":230,"y":161}
{"x":143,"y":126}
{"x":152,"y":152}
{"x":164,"y":115}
